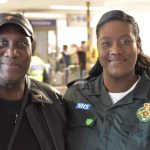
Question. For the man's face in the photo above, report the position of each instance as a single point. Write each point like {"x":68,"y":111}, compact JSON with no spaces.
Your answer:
{"x":15,"y":54}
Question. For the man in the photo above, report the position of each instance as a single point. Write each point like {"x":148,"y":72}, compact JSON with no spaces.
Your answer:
{"x":31,"y":113}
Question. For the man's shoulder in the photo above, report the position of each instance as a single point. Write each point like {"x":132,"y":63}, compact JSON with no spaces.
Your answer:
{"x":44,"y":85}
{"x":46,"y":90}
{"x":51,"y":101}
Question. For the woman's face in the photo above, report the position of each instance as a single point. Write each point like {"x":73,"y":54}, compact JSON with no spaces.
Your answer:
{"x":118,"y":49}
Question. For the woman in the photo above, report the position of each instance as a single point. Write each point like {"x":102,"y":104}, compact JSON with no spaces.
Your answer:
{"x":110,"y":110}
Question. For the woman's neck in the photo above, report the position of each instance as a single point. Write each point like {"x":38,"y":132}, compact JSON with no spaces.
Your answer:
{"x":117,"y":85}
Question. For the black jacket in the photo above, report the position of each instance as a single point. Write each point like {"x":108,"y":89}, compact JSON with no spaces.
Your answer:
{"x":46,"y":116}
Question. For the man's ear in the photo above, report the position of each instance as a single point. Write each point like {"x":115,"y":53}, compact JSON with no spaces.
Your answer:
{"x":138,"y":45}
{"x":33,"y":46}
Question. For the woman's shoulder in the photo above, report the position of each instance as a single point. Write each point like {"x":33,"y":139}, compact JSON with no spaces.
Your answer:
{"x":80,"y":82}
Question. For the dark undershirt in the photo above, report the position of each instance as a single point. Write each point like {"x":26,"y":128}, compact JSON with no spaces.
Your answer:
{"x":25,"y":139}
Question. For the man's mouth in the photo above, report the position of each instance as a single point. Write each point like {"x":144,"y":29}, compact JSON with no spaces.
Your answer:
{"x":10,"y":65}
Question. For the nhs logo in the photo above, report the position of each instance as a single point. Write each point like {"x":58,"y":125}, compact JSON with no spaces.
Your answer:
{"x":83,"y":106}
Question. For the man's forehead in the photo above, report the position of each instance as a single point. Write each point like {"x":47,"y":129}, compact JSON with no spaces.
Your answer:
{"x":12,"y":27}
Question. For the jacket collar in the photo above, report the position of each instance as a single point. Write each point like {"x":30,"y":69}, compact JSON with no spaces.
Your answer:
{"x":37,"y":94}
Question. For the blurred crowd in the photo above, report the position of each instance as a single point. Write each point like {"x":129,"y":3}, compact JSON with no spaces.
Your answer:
{"x":74,"y":60}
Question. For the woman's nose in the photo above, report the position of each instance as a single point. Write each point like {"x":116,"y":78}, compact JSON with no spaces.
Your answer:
{"x":115,"y":48}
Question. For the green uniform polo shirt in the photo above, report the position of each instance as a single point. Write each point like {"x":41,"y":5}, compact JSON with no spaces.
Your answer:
{"x":95,"y":123}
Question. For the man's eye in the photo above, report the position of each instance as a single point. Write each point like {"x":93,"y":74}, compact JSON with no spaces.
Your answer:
{"x":22,"y":44}
{"x":3,"y":44}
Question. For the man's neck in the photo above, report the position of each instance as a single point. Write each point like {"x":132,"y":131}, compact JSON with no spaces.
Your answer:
{"x":14,"y":92}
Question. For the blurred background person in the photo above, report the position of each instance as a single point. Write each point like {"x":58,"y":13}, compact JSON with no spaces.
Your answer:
{"x":38,"y":69}
{"x":66,"y":61}
{"x":81,"y":53}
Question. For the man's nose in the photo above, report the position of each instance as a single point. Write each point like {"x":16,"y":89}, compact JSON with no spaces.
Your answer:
{"x":11,"y":51}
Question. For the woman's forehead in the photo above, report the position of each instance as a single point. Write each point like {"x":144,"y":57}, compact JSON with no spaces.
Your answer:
{"x":116,"y":27}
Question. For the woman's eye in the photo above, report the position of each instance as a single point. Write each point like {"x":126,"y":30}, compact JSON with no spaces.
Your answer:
{"x":125,"y":42}
{"x":3,"y":44}
{"x":106,"y":44}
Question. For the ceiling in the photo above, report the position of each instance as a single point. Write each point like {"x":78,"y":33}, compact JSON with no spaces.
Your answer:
{"x":55,"y":8}
{"x":44,"y":5}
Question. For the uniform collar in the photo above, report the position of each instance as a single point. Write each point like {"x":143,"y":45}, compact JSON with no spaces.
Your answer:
{"x":91,"y":87}
{"x":142,"y":89}
{"x":96,"y":92}
{"x":94,"y":86}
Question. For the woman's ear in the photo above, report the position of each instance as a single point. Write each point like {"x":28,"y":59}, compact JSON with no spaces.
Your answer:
{"x":138,"y":48}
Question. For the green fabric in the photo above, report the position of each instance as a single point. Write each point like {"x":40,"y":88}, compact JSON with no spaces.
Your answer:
{"x":112,"y":126}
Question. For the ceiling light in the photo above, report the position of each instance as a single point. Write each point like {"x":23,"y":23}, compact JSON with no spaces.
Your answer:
{"x":43,"y":15}
{"x":65,"y":7}
{"x":3,"y":1}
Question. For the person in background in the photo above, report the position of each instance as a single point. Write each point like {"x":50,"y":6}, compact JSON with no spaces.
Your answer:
{"x":73,"y":54}
{"x":31,"y":112}
{"x":110,"y":109}
{"x":81,"y":53}
{"x":66,"y":62}
{"x":37,"y":69}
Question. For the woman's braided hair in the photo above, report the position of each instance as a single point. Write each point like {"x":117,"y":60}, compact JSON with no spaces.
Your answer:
{"x":143,"y":61}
